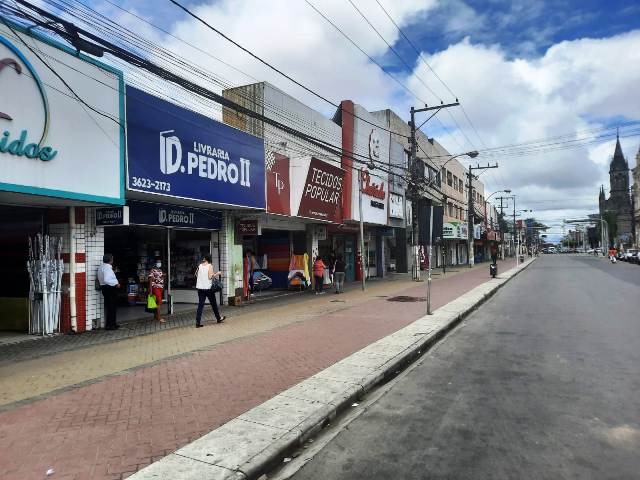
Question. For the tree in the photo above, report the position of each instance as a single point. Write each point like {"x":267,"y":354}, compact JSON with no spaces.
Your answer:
{"x":610,"y":218}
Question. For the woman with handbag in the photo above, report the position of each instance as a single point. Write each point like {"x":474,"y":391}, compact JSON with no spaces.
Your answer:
{"x":156,"y":287}
{"x":207,"y":284}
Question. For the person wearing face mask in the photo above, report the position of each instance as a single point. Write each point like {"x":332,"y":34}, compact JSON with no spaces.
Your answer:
{"x":156,"y":286}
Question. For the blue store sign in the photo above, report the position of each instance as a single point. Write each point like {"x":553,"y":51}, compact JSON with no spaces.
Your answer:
{"x":175,"y":152}
{"x":156,"y":214}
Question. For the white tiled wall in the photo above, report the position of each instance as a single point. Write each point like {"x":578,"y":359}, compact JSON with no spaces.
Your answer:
{"x":224,"y":254}
{"x":94,"y":251}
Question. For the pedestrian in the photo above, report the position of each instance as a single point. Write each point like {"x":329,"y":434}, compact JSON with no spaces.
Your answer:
{"x":318,"y":274}
{"x":339,"y":273}
{"x":109,"y":287}
{"x":156,"y":287}
{"x":204,"y":282}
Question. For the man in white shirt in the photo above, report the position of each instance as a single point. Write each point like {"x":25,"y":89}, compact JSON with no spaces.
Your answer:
{"x":109,"y":285}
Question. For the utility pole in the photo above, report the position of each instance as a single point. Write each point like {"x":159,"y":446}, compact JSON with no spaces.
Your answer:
{"x":362,"y":253}
{"x":415,"y":172}
{"x":470,"y":233}
{"x":500,"y":228}
{"x":514,"y":232}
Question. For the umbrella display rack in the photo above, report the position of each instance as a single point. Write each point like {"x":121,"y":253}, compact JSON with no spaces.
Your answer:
{"x":45,"y":267}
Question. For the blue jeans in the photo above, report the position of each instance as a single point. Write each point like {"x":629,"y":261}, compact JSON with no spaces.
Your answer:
{"x":338,"y":278}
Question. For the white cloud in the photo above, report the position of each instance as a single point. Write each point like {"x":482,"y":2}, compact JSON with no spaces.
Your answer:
{"x":293,"y":37}
{"x":515,"y":100}
{"x":575,"y":85}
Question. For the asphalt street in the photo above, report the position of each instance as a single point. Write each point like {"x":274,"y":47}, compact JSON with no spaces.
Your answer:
{"x":541,"y":382}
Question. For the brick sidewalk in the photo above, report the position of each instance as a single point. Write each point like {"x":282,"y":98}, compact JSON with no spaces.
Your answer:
{"x":110,"y":429}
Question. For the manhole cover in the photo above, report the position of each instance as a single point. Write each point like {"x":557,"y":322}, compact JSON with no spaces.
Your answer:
{"x":405,"y":298}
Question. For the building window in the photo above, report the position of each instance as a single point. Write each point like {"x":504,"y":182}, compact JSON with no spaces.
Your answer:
{"x":461,"y":186}
{"x":449,"y":179}
{"x":451,"y":210}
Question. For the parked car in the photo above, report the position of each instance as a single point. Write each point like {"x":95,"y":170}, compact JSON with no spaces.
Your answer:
{"x":631,"y":255}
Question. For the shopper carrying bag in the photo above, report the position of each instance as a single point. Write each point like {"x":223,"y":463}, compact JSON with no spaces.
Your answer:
{"x":156,"y":287}
{"x":206,"y":281}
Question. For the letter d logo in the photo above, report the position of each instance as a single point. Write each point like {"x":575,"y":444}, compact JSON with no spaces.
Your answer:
{"x":168,"y":162}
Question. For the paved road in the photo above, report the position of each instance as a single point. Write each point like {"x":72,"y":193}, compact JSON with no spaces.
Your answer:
{"x":105,"y":411}
{"x":542,"y":382}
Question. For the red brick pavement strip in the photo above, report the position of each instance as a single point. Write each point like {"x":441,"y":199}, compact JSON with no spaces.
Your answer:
{"x":110,"y":429}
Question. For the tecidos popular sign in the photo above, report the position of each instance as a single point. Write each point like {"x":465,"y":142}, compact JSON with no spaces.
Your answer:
{"x":178,"y":153}
{"x":316,"y":190}
{"x":50,"y":143}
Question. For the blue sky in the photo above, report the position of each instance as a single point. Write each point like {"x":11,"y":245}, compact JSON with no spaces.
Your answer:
{"x":524,"y":27}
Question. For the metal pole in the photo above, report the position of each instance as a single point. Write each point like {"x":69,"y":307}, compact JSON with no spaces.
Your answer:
{"x":415,"y":217}
{"x":470,"y":232}
{"x":169,"y":299}
{"x":362,"y":266}
{"x":500,"y":220}
{"x":429,"y":272}
{"x":515,"y":231}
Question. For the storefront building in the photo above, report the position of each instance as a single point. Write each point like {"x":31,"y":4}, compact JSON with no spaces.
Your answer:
{"x":366,"y":185}
{"x":454,"y":245}
{"x":58,"y":157}
{"x":304,"y":189}
{"x":186,"y":174}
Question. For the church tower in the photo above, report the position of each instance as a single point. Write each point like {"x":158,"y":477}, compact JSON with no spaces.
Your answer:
{"x":619,"y":199}
{"x":619,"y":177}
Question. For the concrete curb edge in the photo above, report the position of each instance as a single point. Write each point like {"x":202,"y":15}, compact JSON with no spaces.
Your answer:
{"x":246,"y":447}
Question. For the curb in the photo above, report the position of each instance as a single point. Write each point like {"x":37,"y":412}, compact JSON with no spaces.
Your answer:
{"x":257,"y":441}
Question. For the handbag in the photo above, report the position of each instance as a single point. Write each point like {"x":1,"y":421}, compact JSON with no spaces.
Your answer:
{"x":216,"y":285}
{"x":152,"y":306}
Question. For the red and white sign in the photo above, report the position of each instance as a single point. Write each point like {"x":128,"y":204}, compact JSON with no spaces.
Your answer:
{"x":316,"y":189}
{"x":361,"y":135}
{"x":278,"y":187}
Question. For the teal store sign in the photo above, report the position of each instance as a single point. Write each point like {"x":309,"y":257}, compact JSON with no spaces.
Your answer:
{"x":23,"y":145}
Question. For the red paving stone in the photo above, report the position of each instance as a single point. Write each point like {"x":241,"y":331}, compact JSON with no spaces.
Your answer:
{"x":110,"y":429}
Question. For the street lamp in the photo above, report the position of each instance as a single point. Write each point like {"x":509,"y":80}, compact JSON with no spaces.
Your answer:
{"x":471,"y":154}
{"x":499,"y":226}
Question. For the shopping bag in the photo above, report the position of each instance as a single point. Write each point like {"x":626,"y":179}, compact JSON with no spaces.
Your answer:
{"x":151,"y":303}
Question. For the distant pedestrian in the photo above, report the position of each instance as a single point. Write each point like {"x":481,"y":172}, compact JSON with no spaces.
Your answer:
{"x":318,"y":274}
{"x":338,"y":274}
{"x":494,"y":257}
{"x":109,"y":286}
{"x":204,"y":281}
{"x":156,"y":287}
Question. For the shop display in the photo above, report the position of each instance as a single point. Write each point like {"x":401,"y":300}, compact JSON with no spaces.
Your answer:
{"x":45,"y":268}
{"x":185,"y":257}
{"x":298,"y":277}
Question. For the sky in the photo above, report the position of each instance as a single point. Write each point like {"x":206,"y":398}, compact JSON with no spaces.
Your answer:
{"x":522,"y":70}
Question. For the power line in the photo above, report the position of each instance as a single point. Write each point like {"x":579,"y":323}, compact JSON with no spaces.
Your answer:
{"x":264,"y":62}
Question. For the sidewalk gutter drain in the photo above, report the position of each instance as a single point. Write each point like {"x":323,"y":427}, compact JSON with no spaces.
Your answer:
{"x":406,"y":298}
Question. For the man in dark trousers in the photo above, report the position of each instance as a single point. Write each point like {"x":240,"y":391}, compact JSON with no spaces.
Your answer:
{"x":109,"y":285}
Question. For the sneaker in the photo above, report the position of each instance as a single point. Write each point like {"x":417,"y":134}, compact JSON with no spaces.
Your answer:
{"x":222,"y":319}
{"x":199,"y":325}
